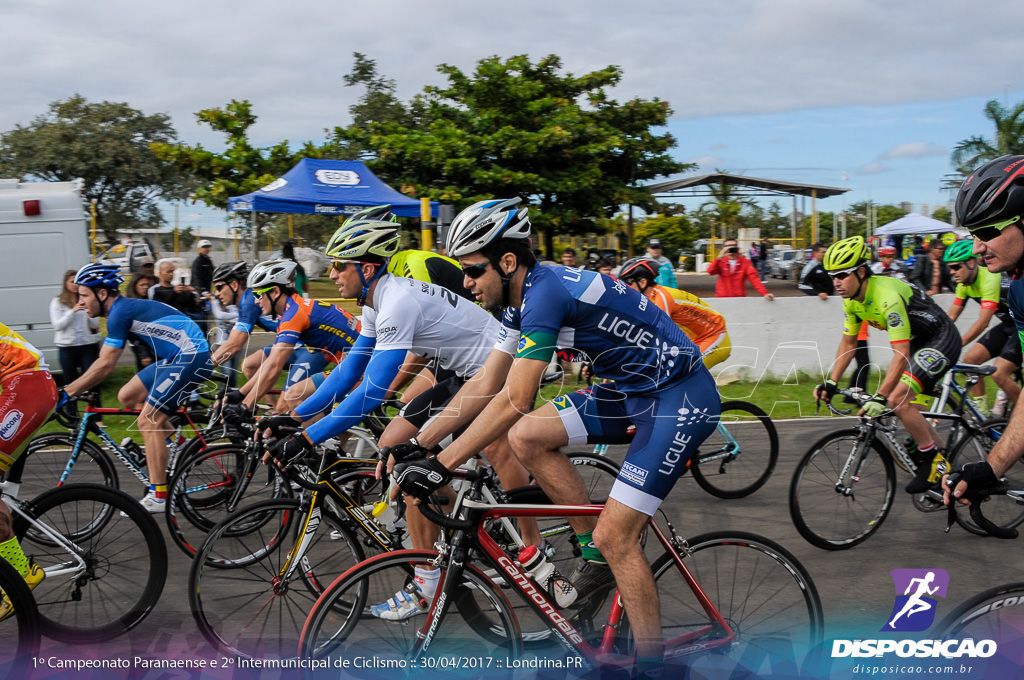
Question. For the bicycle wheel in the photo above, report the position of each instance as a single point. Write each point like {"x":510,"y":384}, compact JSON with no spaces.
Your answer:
{"x":833,"y":505}
{"x":110,"y":578}
{"x":739,"y":456}
{"x":240,"y":598}
{"x":995,"y":615}
{"x":204,"y":484}
{"x":1002,"y":510}
{"x":598,"y":473}
{"x":341,"y":626}
{"x":46,"y":462}
{"x":761,"y":590}
{"x":20,"y":632}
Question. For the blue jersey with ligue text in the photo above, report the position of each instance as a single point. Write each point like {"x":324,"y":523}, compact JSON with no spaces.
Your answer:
{"x":167,"y":331}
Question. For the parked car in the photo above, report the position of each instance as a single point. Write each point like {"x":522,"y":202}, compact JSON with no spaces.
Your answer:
{"x":781,"y":262}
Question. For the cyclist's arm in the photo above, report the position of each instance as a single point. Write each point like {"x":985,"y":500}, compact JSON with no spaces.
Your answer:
{"x":266,"y":376}
{"x":899,"y":363}
{"x":100,"y":369}
{"x":232,"y":346}
{"x":368,"y":395}
{"x":501,"y":413}
{"x":411,"y":367}
{"x":979,"y":326}
{"x":470,"y":400}
{"x":844,"y":355}
{"x":956,"y":309}
{"x":340,"y":380}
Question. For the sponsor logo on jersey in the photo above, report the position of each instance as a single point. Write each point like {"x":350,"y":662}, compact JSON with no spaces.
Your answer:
{"x":634,"y":474}
{"x":894,"y":320}
{"x":931,"y":360}
{"x":10,"y":424}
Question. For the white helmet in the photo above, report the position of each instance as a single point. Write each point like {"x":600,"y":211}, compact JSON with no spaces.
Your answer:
{"x":273,"y":273}
{"x":485,"y":222}
{"x":357,"y":238}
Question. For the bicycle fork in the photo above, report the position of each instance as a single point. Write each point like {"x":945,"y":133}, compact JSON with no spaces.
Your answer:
{"x":853,"y":467}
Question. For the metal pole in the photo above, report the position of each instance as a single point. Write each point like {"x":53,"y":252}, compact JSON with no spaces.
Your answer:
{"x":426,"y":230}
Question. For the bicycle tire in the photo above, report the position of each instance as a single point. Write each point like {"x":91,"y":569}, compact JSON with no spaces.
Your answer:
{"x":125,"y":562}
{"x":598,"y":473}
{"x":240,"y":603}
{"x":977,"y":618}
{"x":47,"y":456}
{"x":760,"y":589}
{"x":739,"y":456}
{"x":201,"y":487}
{"x":828,"y":518}
{"x":19,"y":633}
{"x":1000,"y":509}
{"x":340,"y":626}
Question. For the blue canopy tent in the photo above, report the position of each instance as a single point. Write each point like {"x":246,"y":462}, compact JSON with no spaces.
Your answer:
{"x":326,"y":187}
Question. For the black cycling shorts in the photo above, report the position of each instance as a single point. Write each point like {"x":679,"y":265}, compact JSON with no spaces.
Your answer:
{"x":931,"y":357}
{"x":1002,"y":341}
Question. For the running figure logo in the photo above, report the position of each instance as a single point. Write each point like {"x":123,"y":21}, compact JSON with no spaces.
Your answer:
{"x":916,"y":590}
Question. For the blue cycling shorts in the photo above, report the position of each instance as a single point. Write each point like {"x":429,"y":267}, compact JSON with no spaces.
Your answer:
{"x":670,"y":425}
{"x":171,"y":382}
{"x":304,"y":363}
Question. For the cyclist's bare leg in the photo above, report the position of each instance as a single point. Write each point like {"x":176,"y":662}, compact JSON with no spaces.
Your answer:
{"x":1004,"y":378}
{"x":252,"y":364}
{"x":422,"y":382}
{"x":977,"y":354}
{"x":155,"y":427}
{"x":6,"y":530}
{"x":918,"y":428}
{"x":617,"y":537}
{"x":536,"y":439}
{"x":295,"y":395}
{"x":133,"y":394}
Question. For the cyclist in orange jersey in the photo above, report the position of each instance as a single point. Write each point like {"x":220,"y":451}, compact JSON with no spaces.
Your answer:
{"x":699,"y":321}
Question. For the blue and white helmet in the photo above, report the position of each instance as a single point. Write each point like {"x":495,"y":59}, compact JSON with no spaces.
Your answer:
{"x":485,"y":222}
{"x":94,"y":275}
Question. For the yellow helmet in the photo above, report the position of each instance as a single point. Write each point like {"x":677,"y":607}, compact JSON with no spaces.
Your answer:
{"x":948,"y":239}
{"x":845,"y":254}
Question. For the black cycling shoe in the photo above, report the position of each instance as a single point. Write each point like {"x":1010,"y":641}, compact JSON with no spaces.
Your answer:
{"x":928,"y":475}
{"x":591,"y":578}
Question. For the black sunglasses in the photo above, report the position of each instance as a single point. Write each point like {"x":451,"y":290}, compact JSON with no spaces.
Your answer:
{"x":475,"y":271}
{"x":955,"y":267}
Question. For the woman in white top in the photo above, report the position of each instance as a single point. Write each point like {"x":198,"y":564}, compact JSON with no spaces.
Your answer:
{"x":76,"y":335}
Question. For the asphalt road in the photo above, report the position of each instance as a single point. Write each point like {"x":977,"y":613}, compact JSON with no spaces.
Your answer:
{"x":855,"y":585}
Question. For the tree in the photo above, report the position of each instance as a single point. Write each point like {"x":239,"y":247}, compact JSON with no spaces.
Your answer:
{"x":1009,"y":139}
{"x":723,"y":211}
{"x":943,"y":214}
{"x":107,"y":146}
{"x":676,"y":233}
{"x":515,"y":128}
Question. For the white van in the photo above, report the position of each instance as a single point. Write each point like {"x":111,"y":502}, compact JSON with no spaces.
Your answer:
{"x":42,"y":234}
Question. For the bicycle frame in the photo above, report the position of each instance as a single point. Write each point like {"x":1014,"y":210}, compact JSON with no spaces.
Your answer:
{"x":571,"y":638}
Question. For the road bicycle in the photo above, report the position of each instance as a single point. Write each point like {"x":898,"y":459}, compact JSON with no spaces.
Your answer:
{"x":258,"y":573}
{"x":104,"y":557}
{"x":737,"y":595}
{"x":845,"y":485}
{"x":20,"y":632}
{"x":739,"y":456}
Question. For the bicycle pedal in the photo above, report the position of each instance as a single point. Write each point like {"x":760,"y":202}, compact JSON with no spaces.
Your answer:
{"x":929,"y":501}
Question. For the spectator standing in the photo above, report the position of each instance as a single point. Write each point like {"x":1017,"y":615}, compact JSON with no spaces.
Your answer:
{"x":733,"y":270}
{"x":930,"y":273}
{"x":762,"y":259}
{"x":75,"y":334}
{"x":814,"y":280}
{"x":176,"y":294}
{"x":666,"y":276}
{"x":138,"y":289}
{"x":202,"y":268}
{"x":301,"y":280}
{"x":569,"y":257}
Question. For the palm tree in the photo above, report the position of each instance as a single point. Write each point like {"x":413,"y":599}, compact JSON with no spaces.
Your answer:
{"x":1009,"y":139}
{"x":725,"y":206}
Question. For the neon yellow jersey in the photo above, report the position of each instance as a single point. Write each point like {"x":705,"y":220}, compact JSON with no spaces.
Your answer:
{"x":424,"y":265}
{"x":897,"y":307}
{"x":989,"y":289}
{"x":17,"y":355}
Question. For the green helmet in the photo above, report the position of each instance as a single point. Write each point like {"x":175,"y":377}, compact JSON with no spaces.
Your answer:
{"x":959,"y":251}
{"x":377,"y":213}
{"x":845,"y":254}
{"x":355,"y":239}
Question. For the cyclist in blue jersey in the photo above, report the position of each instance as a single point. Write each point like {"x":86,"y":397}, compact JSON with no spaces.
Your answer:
{"x":660,"y":386}
{"x":990,"y":204}
{"x":325,"y":327}
{"x":183,"y":363}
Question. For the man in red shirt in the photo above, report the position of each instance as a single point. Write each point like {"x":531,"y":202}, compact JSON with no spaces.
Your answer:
{"x":731,"y":269}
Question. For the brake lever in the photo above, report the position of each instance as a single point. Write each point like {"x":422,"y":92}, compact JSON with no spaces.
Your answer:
{"x":951,"y":481}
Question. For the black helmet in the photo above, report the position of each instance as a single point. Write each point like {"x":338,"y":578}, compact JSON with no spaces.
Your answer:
{"x":641,"y":267}
{"x":993,"y":193}
{"x":231,"y":270}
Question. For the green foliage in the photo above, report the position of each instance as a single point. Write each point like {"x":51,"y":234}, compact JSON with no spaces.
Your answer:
{"x":676,"y":232}
{"x":1009,"y":139}
{"x":723,"y":212}
{"x":108,"y":146}
{"x":943,"y":215}
{"x":516,"y":128}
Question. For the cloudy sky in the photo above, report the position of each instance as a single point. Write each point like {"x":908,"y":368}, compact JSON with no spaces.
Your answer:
{"x":870,"y":95}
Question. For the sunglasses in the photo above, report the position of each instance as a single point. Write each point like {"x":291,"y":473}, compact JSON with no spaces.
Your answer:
{"x":475,"y":271}
{"x":218,"y":286}
{"x":261,"y":292}
{"x":955,"y":267}
{"x":841,"y":275}
{"x":991,"y":231}
{"x":339,"y":265}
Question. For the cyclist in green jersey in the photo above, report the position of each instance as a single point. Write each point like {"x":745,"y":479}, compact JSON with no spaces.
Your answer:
{"x":990,"y":289}
{"x":924,"y":340}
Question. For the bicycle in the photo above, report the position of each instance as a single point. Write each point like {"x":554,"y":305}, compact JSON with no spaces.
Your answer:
{"x":283,"y":554}
{"x":739,"y":456}
{"x":732,"y":593}
{"x":20,"y":632}
{"x":842,"y":492}
{"x":103,"y":554}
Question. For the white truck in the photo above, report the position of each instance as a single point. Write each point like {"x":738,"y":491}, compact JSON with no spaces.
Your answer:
{"x":43,"y":233}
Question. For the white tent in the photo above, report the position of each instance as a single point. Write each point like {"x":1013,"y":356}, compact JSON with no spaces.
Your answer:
{"x":915,"y":223}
